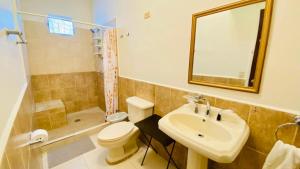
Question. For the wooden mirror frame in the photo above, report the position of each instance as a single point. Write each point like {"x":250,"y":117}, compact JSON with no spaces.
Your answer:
{"x":262,"y":48}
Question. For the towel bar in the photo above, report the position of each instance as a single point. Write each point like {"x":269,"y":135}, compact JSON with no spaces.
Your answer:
{"x":10,"y":32}
{"x":297,"y":122}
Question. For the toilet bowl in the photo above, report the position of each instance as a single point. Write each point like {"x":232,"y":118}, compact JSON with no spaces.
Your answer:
{"x":120,"y":137}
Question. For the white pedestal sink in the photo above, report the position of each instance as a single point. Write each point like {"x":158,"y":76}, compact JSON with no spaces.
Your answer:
{"x":205,"y":137}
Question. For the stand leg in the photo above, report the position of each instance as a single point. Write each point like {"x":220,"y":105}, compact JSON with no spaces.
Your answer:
{"x":146,"y":150}
{"x":148,"y":142}
{"x":170,"y":155}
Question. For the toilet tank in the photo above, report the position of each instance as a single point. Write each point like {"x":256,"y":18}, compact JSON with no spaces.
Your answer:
{"x":138,"y":109}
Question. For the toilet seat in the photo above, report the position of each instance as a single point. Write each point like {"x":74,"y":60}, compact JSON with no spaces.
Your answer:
{"x":115,"y":131}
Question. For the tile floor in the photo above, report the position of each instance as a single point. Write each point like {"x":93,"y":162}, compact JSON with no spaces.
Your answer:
{"x":88,"y":118}
{"x":95,"y":159}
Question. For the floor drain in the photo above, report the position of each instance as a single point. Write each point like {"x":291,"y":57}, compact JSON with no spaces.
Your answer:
{"x":77,"y":120}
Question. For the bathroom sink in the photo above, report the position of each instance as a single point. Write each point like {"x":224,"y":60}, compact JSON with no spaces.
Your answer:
{"x":205,"y":136}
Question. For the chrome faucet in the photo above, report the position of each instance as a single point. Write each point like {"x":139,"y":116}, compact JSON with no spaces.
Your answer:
{"x":206,"y":101}
{"x":196,"y":99}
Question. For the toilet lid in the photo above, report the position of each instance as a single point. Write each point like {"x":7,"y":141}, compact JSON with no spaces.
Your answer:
{"x":115,"y":131}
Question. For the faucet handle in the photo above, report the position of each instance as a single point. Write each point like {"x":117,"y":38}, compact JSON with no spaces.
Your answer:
{"x":189,"y":98}
{"x":219,"y":116}
{"x":194,"y":97}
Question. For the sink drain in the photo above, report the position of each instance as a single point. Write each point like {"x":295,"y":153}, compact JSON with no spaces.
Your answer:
{"x":200,"y":135}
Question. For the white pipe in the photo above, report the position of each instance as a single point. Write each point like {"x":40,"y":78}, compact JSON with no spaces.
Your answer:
{"x":73,"y":20}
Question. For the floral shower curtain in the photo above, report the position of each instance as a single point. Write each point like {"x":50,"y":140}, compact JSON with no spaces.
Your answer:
{"x":110,"y":67}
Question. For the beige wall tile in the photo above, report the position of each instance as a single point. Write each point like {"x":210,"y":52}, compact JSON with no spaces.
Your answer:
{"x":82,"y":93}
{"x":241,"y":109}
{"x":36,"y":160}
{"x":42,"y":95}
{"x":57,"y":93}
{"x":297,"y":140}
{"x":144,"y":90}
{"x":67,"y":80}
{"x":263,"y":123}
{"x":42,"y":122}
{"x":17,"y":153}
{"x":55,"y":81}
{"x":80,"y":80}
{"x":93,"y":101}
{"x":100,"y":90}
{"x":70,"y":106}
{"x":40,"y":82}
{"x":90,"y":78}
{"x":177,"y":98}
{"x":251,"y":159}
{"x":4,"y":164}
{"x":70,"y":94}
{"x":162,"y":104}
{"x":58,"y":118}
{"x":81,"y":87}
{"x":126,"y":89}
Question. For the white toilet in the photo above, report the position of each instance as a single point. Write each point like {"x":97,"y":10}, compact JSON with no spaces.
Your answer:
{"x":120,"y":138}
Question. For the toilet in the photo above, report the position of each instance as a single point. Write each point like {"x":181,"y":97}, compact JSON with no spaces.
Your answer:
{"x":120,"y":137}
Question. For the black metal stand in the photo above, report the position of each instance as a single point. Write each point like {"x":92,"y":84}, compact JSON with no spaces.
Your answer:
{"x":149,"y":126}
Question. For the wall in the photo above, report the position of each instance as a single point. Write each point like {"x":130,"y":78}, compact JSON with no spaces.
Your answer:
{"x":233,"y":33}
{"x":104,"y":12}
{"x":12,"y":71}
{"x":61,"y":58}
{"x":52,"y":53}
{"x":17,"y":153}
{"x":77,"y":9}
{"x":157,"y":49}
{"x":261,"y":137}
{"x":78,"y":91}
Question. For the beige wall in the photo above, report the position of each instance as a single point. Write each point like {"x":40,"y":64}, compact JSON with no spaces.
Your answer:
{"x":12,"y":71}
{"x":157,"y":49}
{"x":78,"y":91}
{"x":17,"y":153}
{"x":52,"y":53}
{"x":77,"y":9}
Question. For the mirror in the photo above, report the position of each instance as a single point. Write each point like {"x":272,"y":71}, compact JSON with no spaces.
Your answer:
{"x":228,"y":45}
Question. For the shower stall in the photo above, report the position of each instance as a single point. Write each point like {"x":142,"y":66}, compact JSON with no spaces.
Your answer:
{"x":66,"y":67}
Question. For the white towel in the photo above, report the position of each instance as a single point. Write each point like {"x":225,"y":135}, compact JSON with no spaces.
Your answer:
{"x":283,"y":156}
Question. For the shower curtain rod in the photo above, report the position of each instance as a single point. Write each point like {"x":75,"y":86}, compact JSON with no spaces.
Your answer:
{"x":73,"y":20}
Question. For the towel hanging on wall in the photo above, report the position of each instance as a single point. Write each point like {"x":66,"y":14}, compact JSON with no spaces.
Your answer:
{"x":283,"y":156}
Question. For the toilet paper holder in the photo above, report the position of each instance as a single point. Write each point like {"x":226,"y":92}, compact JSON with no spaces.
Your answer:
{"x":39,"y":135}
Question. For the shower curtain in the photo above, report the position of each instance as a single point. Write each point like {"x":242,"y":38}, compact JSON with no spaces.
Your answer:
{"x":110,"y":67}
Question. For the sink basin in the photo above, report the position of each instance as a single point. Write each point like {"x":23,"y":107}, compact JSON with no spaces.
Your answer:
{"x":204,"y":136}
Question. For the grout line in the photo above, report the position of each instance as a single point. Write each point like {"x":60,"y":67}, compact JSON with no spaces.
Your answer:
{"x":251,"y":111}
{"x":253,"y":149}
{"x":295,"y":135}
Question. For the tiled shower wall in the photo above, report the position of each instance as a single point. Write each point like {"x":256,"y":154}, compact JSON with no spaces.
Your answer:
{"x":78,"y":91}
{"x":100,"y":89}
{"x":262,"y":122}
{"x":17,"y":154}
